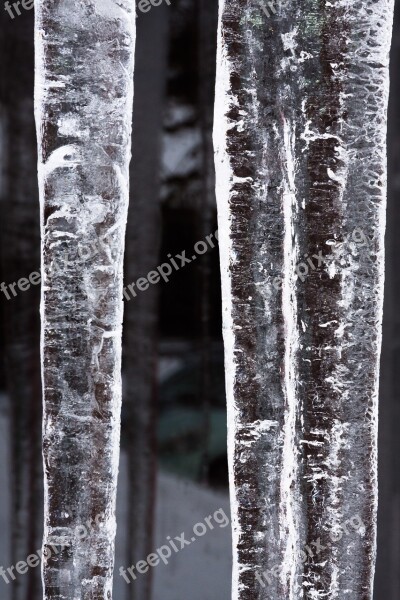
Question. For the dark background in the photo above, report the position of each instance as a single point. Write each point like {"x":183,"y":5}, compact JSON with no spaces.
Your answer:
{"x":173,"y":429}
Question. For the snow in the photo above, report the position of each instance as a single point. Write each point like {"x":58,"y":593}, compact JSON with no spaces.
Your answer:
{"x":199,"y":571}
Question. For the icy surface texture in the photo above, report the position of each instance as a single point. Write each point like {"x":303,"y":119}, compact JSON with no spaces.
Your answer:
{"x":300,"y":131}
{"x":83,"y":109}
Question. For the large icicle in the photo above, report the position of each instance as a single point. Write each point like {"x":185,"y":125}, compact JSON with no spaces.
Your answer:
{"x":83,"y":110}
{"x":300,"y":128}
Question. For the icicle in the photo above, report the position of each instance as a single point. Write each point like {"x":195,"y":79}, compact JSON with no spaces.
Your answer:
{"x":83,"y":110}
{"x":300,"y":128}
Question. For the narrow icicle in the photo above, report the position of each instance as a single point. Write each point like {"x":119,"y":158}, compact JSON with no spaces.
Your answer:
{"x":83,"y":110}
{"x":300,"y":137}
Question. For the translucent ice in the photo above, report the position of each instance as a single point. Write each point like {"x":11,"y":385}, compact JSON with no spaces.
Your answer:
{"x":300,"y":136}
{"x":83,"y":110}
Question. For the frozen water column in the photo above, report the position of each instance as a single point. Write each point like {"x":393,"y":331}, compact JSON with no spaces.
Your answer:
{"x":300,"y":139}
{"x":83,"y":110}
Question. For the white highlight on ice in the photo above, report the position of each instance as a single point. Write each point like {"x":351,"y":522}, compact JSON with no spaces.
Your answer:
{"x":289,"y":311}
{"x":224,"y":177}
